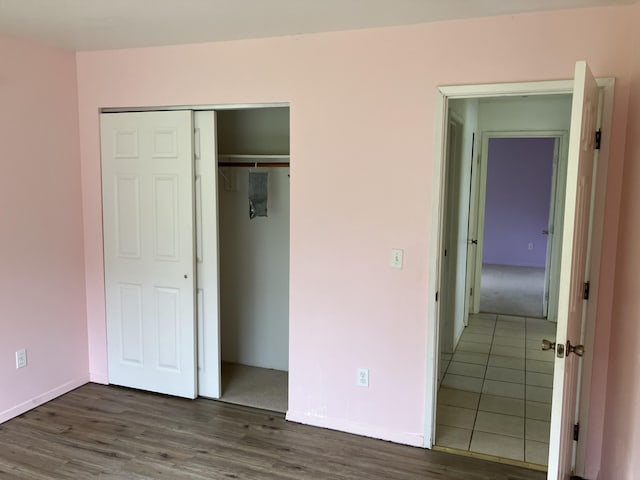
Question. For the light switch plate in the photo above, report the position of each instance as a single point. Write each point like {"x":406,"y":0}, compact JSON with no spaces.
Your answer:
{"x":397,"y":255}
{"x":21,"y":358}
{"x":363,"y":377}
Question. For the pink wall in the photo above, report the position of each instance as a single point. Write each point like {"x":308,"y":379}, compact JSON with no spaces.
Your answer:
{"x":362,"y":130}
{"x":622,"y":421}
{"x":42,"y":291}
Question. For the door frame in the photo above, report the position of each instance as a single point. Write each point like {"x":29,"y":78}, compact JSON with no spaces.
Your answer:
{"x":443,"y":95}
{"x":561,"y":150}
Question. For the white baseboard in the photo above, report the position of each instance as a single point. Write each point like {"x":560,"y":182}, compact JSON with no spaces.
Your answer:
{"x":43,"y":398}
{"x":101,"y":378}
{"x":412,"y":439}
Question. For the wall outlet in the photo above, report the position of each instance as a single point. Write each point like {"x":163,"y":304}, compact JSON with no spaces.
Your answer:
{"x":363,"y":377}
{"x":530,"y":246}
{"x":397,"y":255}
{"x":21,"y":358}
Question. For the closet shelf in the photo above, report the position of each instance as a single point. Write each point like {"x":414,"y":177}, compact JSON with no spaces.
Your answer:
{"x":248,"y":160}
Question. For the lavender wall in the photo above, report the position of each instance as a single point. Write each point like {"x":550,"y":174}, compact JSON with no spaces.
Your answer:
{"x":517,"y":202}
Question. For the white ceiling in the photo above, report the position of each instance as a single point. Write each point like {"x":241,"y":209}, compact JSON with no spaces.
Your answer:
{"x":108,"y":24}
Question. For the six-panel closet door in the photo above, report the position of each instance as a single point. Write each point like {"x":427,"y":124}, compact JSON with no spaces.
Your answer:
{"x":148,"y":222}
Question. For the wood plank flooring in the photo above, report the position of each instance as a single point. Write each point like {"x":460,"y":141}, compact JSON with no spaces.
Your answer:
{"x":114,"y":433}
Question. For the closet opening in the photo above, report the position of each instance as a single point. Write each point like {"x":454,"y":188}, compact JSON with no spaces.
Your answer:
{"x":253,"y":230}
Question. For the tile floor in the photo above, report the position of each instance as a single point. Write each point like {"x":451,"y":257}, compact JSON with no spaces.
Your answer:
{"x":495,"y":395}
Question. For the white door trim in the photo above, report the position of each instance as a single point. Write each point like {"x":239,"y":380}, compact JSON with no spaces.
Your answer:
{"x":443,"y":95}
{"x":195,"y":108}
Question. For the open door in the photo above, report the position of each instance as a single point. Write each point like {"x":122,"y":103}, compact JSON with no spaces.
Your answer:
{"x":550,"y":231}
{"x":148,"y":222}
{"x":572,"y":271}
{"x":472,"y":292}
{"x":452,"y":322}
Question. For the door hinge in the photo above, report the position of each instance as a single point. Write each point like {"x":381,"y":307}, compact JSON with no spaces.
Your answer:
{"x":436,"y":296}
{"x":576,"y":431}
{"x":585,"y":291}
{"x":445,"y":252}
{"x":598,"y":139}
{"x":471,"y":292}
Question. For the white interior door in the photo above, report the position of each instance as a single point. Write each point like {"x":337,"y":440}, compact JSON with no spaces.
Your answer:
{"x":483,"y":170}
{"x":572,"y":270}
{"x":472,"y":278}
{"x":148,"y":221}
{"x":550,"y":230}
{"x":448,"y":292}
{"x":207,"y":289}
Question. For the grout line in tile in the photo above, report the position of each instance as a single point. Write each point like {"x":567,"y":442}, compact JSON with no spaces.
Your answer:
{"x":501,"y":413}
{"x":484,"y":379}
{"x":460,"y":375}
{"x":507,"y":368}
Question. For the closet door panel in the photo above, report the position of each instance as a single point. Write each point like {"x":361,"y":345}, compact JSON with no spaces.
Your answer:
{"x":148,"y":222}
{"x":207,"y":295}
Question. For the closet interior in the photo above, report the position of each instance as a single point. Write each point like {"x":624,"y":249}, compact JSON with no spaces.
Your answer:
{"x":253,"y":213}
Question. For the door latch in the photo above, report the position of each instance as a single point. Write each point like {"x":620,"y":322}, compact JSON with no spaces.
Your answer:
{"x":560,"y":348}
{"x":548,"y":345}
{"x":577,"y":349}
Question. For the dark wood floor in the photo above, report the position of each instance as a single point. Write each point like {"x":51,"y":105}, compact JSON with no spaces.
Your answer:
{"x":116,"y":433}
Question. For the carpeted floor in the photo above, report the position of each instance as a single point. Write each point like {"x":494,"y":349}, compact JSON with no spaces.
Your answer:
{"x":255,"y":387}
{"x":512,"y":290}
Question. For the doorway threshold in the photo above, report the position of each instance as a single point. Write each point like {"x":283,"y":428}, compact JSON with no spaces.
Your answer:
{"x":491,"y":458}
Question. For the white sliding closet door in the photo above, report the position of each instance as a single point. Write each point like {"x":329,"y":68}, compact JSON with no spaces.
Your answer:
{"x":148,"y":215}
{"x":206,"y":194}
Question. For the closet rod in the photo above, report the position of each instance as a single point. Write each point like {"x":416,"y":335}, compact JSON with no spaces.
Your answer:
{"x":253,"y":164}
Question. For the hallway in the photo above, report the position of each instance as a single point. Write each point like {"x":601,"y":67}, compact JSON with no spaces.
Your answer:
{"x":495,"y":397}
